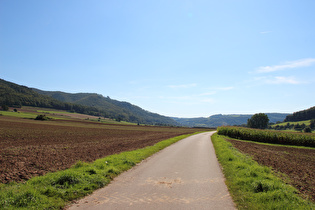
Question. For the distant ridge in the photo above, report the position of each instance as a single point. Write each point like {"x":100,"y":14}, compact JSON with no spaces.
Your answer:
{"x":219,"y":120}
{"x":111,"y":108}
{"x":12,"y":94}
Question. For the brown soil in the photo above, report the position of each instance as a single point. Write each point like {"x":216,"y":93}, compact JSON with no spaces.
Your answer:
{"x":30,"y":148}
{"x":297,"y":163}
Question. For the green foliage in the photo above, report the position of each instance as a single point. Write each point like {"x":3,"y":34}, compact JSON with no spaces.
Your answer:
{"x":5,"y":107}
{"x":267,"y":136}
{"x":307,"y":114}
{"x":42,"y":117}
{"x":307,"y":130}
{"x":55,"y":190}
{"x":259,"y":121}
{"x":253,"y":186}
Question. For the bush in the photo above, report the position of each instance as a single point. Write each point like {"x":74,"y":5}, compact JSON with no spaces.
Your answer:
{"x":5,"y":107}
{"x":307,"y":130}
{"x":42,"y":117}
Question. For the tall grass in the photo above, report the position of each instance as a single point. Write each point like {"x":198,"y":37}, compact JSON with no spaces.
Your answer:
{"x":253,"y":186}
{"x":55,"y":190}
{"x":267,"y":136}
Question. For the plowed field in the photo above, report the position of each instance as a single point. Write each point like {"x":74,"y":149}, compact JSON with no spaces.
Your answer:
{"x":297,"y":163}
{"x":30,"y":148}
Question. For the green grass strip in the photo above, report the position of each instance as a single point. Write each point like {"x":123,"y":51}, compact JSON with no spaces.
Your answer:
{"x":253,"y":186}
{"x":18,"y":114}
{"x":55,"y":190}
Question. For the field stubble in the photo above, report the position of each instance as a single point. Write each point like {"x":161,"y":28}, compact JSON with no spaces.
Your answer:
{"x":30,"y":148}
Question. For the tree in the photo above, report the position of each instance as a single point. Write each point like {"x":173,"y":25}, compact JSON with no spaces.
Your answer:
{"x":307,"y":130}
{"x":259,"y":120}
{"x":5,"y":107}
{"x":298,"y":127}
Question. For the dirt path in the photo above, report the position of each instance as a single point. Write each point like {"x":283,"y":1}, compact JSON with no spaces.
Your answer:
{"x":185,"y":175}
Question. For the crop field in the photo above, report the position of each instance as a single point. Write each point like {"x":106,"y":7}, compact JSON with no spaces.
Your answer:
{"x":268,"y":136}
{"x":31,"y":148}
{"x":297,"y":163}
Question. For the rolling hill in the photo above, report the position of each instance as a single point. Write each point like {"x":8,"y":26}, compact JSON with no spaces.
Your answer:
{"x":219,"y":120}
{"x":95,"y":104}
{"x":15,"y":95}
{"x":111,"y":108}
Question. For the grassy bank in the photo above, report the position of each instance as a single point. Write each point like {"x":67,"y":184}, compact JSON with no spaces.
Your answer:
{"x":253,"y":186}
{"x":55,"y":190}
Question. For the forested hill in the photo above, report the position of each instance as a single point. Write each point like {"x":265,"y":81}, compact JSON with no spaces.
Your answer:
{"x":307,"y":114}
{"x":12,"y":94}
{"x":110,"y":107}
{"x":219,"y":120}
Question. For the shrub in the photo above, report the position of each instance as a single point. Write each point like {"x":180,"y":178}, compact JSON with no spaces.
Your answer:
{"x":42,"y":117}
{"x":307,"y":130}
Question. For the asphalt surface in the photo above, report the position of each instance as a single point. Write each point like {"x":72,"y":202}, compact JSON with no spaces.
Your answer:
{"x":185,"y":175}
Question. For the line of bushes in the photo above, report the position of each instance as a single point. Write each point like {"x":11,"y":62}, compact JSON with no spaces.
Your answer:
{"x":267,"y":136}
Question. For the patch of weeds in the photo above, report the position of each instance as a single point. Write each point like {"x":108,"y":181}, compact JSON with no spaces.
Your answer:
{"x":66,"y":179}
{"x":111,"y":173}
{"x":263,"y":186}
{"x":129,"y":162}
{"x":91,"y":171}
{"x":80,"y":164}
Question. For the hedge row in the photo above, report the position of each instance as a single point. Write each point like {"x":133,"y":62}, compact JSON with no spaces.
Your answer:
{"x":267,"y":136}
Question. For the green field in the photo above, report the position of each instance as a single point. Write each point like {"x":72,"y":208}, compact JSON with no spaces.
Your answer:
{"x":18,"y":114}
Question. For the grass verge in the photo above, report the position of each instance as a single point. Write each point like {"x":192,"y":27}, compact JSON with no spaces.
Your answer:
{"x":55,"y":190}
{"x":253,"y":186}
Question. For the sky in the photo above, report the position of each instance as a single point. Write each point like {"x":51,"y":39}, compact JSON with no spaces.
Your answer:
{"x":179,"y":58}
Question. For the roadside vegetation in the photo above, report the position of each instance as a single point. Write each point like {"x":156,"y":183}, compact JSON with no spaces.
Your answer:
{"x":267,"y":136}
{"x":55,"y":190}
{"x":254,"y":186}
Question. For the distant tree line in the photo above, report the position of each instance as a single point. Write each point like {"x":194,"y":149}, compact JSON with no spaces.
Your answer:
{"x":307,"y":114}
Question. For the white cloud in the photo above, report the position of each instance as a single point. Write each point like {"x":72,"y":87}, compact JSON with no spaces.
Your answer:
{"x":283,"y":80}
{"x":265,"y":32}
{"x":278,"y":80}
{"x":183,"y":86}
{"x":287,"y":65}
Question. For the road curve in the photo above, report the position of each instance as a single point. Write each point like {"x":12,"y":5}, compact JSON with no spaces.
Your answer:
{"x":185,"y":175}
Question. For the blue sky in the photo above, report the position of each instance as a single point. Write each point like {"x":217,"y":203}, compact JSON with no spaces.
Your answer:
{"x":180,"y":58}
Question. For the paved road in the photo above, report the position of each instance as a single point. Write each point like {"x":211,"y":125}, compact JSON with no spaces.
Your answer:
{"x":185,"y":175}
